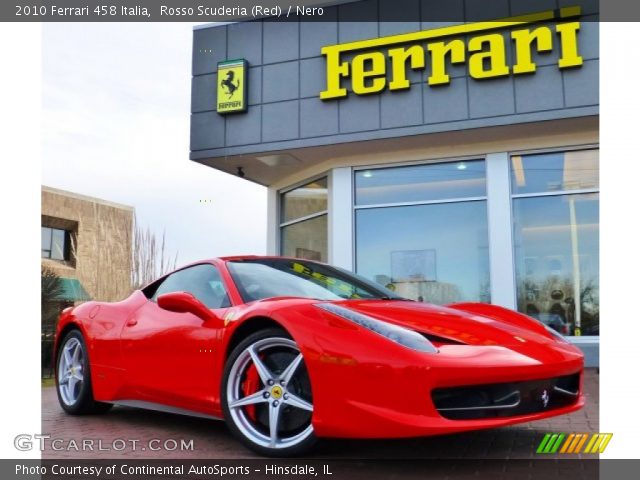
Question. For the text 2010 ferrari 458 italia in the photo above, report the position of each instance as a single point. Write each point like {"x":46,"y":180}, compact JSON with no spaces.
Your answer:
{"x":289,"y":350}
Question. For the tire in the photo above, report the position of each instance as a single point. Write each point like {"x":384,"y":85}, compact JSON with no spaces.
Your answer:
{"x":73,"y":377}
{"x":276,"y":388}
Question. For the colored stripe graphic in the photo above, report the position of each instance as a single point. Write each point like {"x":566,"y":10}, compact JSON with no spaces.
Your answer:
{"x":567,"y":443}
{"x":580,"y":443}
{"x":591,"y":442}
{"x":599,"y":441}
{"x":573,"y":443}
{"x":576,"y":441}
{"x":543,"y":443}
{"x":550,"y":443}
{"x":556,"y":445}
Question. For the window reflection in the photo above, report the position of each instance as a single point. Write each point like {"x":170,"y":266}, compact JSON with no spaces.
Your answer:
{"x":303,"y":229}
{"x":45,"y":243}
{"x":202,"y":281}
{"x":419,"y":183}
{"x":55,"y":243}
{"x":558,"y":171}
{"x":557,"y":261}
{"x":305,"y":200}
{"x":434,"y":253}
{"x":306,"y":239}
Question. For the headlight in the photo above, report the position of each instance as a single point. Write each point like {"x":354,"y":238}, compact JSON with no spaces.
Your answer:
{"x":558,"y":335}
{"x":402,"y":336}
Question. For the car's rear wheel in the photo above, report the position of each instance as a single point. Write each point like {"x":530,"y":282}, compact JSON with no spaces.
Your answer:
{"x":266,"y":395}
{"x":73,"y":377}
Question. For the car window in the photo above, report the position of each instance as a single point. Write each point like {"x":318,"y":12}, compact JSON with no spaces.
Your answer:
{"x":282,"y":277}
{"x":202,"y":281}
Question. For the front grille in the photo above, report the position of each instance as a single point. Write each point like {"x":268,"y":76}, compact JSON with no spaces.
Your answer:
{"x":506,"y":399}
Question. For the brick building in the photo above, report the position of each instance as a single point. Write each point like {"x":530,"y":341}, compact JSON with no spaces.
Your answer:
{"x":87,"y":242}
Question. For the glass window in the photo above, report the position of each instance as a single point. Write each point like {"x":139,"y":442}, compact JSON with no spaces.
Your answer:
{"x":268,"y":278}
{"x":421,"y":183}
{"x":557,"y":239}
{"x":434,"y":253}
{"x":305,"y":200}
{"x":58,"y":244}
{"x":306,"y":239}
{"x":303,"y":229}
{"x":45,"y":245}
{"x":551,"y":172}
{"x":202,"y":281}
{"x":557,"y":257}
{"x":54,"y":243}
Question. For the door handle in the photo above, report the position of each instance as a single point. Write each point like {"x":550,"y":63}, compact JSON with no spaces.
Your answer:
{"x":132,"y":322}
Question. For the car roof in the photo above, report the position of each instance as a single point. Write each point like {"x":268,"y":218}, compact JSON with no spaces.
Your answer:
{"x":232,"y":258}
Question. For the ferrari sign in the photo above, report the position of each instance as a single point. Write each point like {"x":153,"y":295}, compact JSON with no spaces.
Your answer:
{"x":383,"y":63}
{"x":232,"y":86}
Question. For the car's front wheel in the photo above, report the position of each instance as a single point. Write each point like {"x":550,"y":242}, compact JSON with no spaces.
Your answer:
{"x":73,"y":377}
{"x":266,"y":395}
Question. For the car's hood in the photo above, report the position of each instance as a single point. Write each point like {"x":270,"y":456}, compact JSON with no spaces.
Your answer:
{"x":448,"y":323}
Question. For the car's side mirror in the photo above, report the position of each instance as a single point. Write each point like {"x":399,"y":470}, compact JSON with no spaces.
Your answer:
{"x":184,"y":302}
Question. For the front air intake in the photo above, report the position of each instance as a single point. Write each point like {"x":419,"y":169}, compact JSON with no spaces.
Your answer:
{"x":506,"y":399}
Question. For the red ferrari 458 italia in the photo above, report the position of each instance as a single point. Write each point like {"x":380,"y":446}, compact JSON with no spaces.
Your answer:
{"x":287,"y":351}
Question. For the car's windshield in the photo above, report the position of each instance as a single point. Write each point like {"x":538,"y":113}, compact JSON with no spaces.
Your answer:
{"x":279,"y":277}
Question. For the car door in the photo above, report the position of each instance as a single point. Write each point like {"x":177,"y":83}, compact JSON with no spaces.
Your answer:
{"x":169,"y":357}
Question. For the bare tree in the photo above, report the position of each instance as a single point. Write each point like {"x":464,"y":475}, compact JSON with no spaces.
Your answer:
{"x":150,"y":257}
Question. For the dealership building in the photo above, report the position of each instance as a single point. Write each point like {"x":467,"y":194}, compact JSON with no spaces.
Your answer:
{"x":449,"y":161}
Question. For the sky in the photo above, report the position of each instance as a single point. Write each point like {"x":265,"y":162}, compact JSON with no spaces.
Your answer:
{"x":116,"y":101}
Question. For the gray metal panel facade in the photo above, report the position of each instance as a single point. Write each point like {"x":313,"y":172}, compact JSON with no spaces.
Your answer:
{"x":287,"y":74}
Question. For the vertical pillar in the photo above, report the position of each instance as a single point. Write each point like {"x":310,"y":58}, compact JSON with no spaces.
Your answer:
{"x":501,"y":253}
{"x":341,"y":218}
{"x":273,"y":222}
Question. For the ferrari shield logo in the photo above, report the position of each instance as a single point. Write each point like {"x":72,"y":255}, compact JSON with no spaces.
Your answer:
{"x":276,"y":392}
{"x":544,"y":398}
{"x":232,"y":86}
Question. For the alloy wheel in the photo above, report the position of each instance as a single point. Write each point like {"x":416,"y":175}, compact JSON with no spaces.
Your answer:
{"x":269,"y":394}
{"x":70,"y":371}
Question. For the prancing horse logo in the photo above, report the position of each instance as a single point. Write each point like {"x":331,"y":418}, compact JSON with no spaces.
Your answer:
{"x":544,"y":398}
{"x":228,"y":84}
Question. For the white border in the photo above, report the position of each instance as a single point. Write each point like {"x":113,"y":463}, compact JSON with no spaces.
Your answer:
{"x":620,"y":240}
{"x":20,"y":87}
{"x":20,"y":100}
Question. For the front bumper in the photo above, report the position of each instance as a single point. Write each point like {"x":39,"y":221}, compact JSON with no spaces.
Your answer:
{"x":370,"y":398}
